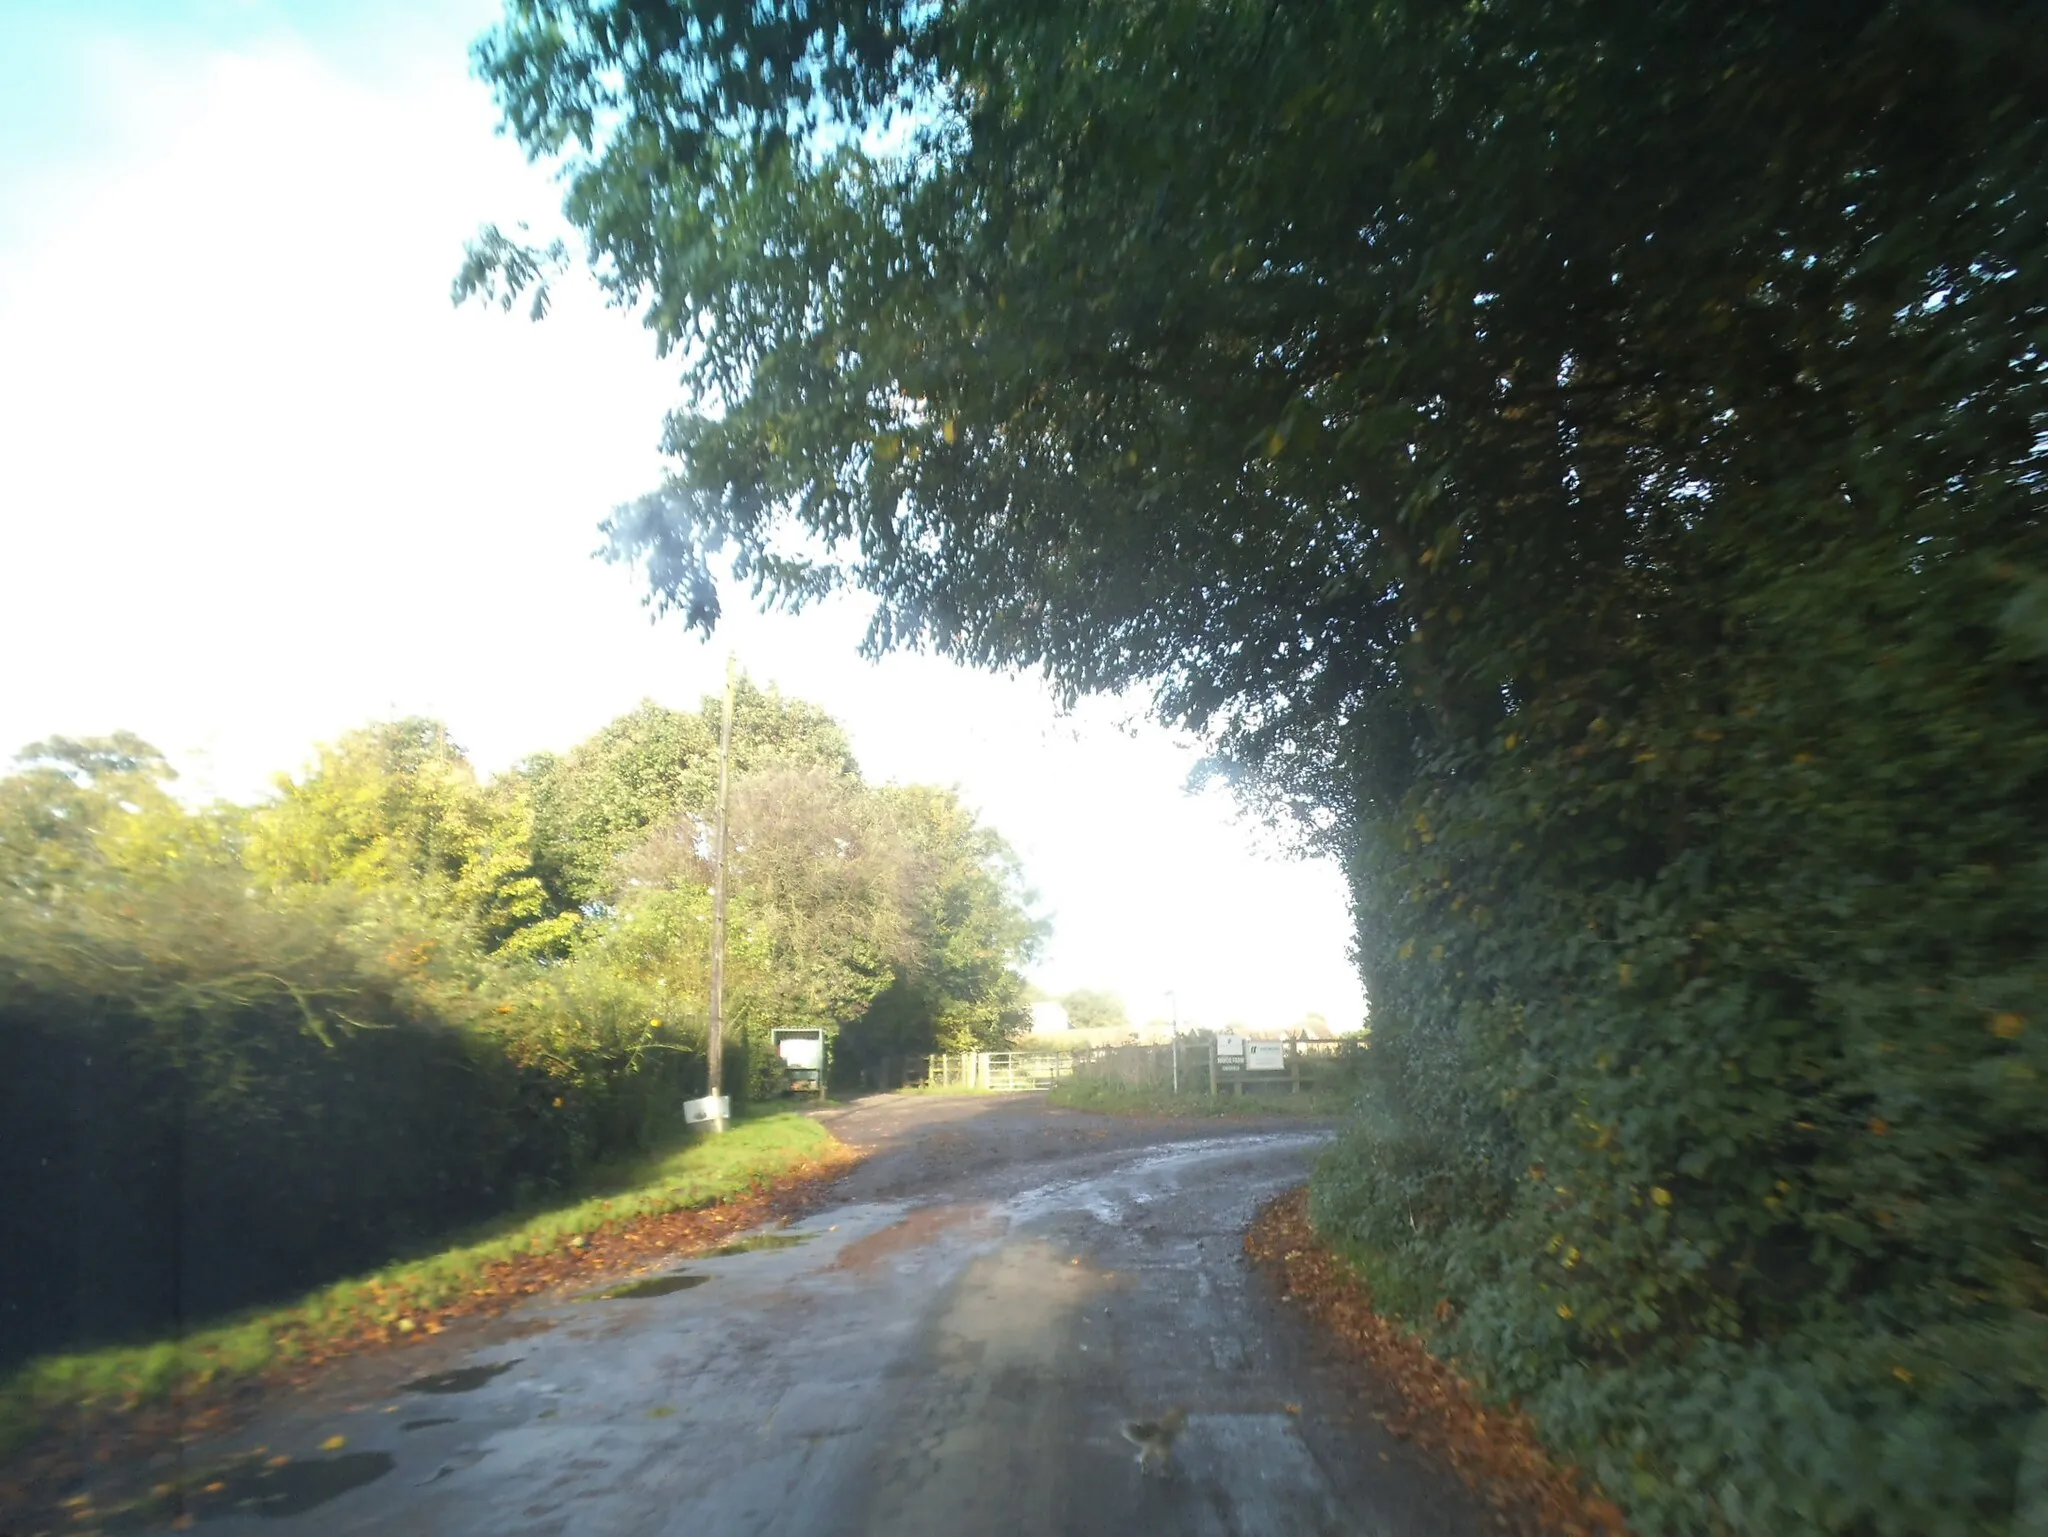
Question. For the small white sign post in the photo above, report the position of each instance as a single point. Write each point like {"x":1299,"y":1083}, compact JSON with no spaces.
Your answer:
{"x":713,"y":1107}
{"x":1265,"y":1057}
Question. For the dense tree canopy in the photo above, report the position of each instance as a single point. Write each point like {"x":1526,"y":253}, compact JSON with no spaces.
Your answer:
{"x":397,"y":808}
{"x":645,"y":769}
{"x":970,"y":926}
{"x":1583,"y":459}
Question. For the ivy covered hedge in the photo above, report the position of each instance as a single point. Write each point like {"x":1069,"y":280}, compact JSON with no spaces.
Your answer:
{"x":1708,"y":1111}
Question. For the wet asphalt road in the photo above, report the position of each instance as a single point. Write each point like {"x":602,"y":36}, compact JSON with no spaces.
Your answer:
{"x":949,"y":1350}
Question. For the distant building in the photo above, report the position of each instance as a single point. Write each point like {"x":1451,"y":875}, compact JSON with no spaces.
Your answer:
{"x":1049,"y":1018}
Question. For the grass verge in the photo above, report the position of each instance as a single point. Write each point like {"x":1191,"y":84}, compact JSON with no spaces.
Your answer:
{"x":484,"y":1271}
{"x":1107,"y":1097}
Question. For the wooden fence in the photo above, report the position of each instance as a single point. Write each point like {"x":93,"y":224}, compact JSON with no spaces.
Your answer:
{"x":1187,"y":1066}
{"x":1191,"y":1066}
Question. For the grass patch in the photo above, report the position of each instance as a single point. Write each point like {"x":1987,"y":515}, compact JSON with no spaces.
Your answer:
{"x":402,"y":1298}
{"x":1105,"y":1096}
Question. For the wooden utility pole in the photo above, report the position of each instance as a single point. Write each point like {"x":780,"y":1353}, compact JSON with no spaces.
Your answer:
{"x":1174,"y":1004}
{"x":714,"y":1050}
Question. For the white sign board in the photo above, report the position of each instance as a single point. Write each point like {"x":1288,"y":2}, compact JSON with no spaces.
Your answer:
{"x":802,"y":1051}
{"x":719,"y":1109}
{"x":1229,"y":1047}
{"x":1265,"y":1057}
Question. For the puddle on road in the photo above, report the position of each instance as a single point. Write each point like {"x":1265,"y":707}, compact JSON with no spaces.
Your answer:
{"x":250,"y":1485}
{"x":446,"y":1419}
{"x":464,"y":1379}
{"x":298,"y":1487}
{"x":763,"y":1241}
{"x":652,"y":1286}
{"x":912,"y":1231}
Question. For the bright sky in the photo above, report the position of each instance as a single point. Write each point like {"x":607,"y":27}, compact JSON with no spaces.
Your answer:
{"x":260,"y":483}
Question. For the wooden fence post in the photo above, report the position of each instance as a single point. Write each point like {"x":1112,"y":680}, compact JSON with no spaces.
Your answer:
{"x":1212,"y":1067}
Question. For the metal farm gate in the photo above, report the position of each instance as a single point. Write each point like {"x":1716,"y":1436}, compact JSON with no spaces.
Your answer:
{"x":1001,"y":1072}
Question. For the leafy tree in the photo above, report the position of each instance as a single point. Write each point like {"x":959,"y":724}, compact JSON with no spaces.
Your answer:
{"x":1582,"y":460}
{"x":653,"y":767}
{"x":602,"y":798}
{"x":824,"y":887}
{"x":1092,"y":1009}
{"x":891,"y":915}
{"x":958,"y":985}
{"x":393,"y":802}
{"x":63,"y":796}
{"x":397,"y":808}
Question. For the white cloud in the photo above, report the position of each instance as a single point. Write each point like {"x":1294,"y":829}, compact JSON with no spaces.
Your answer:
{"x":259,"y":483}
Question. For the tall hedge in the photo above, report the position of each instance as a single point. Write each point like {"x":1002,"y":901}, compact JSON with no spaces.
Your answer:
{"x":1707,"y":1113}
{"x":210,"y":1101}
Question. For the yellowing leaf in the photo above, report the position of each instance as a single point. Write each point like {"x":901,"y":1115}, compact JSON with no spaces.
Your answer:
{"x":333,"y":1443}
